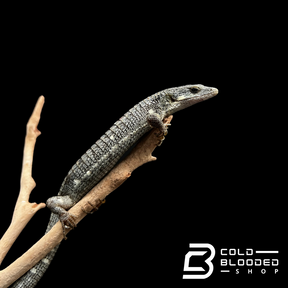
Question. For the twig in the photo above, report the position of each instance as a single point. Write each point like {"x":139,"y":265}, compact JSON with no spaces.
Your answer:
{"x":140,"y":155}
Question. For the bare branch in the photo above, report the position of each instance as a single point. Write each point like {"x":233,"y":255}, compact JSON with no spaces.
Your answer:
{"x":24,"y":210}
{"x":140,"y":155}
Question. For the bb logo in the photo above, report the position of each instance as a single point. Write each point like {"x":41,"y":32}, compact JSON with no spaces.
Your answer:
{"x":199,"y":256}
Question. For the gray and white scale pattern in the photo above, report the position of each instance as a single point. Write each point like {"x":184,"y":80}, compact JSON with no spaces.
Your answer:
{"x":105,"y":153}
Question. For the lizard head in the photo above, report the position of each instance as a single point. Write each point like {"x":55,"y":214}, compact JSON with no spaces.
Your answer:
{"x":184,"y":96}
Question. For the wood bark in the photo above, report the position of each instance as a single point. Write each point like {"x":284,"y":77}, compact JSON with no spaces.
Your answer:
{"x":24,"y":210}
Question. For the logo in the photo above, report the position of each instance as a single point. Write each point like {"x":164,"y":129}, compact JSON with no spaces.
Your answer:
{"x":249,"y":261}
{"x":234,"y":261}
{"x":205,"y":259}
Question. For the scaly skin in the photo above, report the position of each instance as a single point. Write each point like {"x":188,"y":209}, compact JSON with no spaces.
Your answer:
{"x":105,"y":153}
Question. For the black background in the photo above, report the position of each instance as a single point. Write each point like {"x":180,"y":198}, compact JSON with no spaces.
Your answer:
{"x":219,"y":173}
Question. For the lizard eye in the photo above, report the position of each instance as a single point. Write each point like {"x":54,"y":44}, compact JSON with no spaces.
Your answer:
{"x":194,"y":90}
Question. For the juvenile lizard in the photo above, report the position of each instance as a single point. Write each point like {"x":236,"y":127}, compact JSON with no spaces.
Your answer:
{"x":105,"y":153}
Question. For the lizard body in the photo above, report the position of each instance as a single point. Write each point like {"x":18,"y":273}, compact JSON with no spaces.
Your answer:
{"x":105,"y":153}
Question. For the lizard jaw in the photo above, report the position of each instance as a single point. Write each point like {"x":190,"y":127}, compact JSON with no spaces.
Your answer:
{"x":184,"y":102}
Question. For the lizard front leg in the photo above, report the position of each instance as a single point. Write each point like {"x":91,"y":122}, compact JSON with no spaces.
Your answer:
{"x":155,"y":121}
{"x":59,"y":205}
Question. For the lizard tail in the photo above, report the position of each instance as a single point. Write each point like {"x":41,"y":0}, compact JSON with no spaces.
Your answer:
{"x":31,"y":277}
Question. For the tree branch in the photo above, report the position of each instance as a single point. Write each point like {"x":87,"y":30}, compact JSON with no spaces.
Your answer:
{"x":140,"y":155}
{"x":24,"y":210}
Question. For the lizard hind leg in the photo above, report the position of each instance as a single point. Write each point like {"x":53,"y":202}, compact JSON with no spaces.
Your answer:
{"x":58,"y":205}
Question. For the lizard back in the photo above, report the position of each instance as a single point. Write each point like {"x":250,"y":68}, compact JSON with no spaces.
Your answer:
{"x":105,"y":153}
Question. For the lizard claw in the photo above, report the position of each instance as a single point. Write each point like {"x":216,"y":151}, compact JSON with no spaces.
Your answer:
{"x":68,"y":221}
{"x":163,"y":133}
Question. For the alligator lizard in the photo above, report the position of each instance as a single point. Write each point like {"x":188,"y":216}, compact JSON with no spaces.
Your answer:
{"x":105,"y":153}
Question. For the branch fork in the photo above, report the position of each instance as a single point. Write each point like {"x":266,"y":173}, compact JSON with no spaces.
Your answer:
{"x":24,"y":210}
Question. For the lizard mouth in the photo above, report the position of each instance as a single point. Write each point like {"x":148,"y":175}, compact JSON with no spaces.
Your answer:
{"x":213,"y":92}
{"x":199,"y":98}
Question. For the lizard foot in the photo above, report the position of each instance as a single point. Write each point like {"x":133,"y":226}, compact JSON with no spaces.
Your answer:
{"x":67,"y":221}
{"x":163,"y":132}
{"x":94,"y":207}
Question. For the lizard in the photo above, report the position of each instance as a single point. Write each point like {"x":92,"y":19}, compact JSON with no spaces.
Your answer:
{"x":106,"y":152}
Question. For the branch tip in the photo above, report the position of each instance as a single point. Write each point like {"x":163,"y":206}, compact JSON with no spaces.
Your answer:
{"x":38,"y":206}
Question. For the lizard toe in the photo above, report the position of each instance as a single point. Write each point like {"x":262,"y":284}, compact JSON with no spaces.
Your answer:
{"x":68,"y":220}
